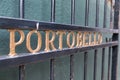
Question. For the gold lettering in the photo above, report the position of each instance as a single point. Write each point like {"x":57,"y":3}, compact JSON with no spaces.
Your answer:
{"x":79,"y":39}
{"x":99,"y":38}
{"x":28,"y":45}
{"x":48,"y":41}
{"x":60,"y":39}
{"x":13,"y":44}
{"x":73,"y":39}
{"x":90,"y":38}
{"x":94,"y":38}
{"x":85,"y":38}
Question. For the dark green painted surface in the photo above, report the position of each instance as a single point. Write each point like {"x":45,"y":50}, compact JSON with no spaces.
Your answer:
{"x":63,"y":11}
{"x":79,"y":66}
{"x":9,"y":74}
{"x":37,"y":71}
{"x":80,"y":12}
{"x":40,"y":10}
{"x":62,"y":68}
{"x":35,"y":8}
{"x":9,"y":8}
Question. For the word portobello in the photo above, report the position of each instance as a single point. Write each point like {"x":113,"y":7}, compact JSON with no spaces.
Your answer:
{"x":73,"y":39}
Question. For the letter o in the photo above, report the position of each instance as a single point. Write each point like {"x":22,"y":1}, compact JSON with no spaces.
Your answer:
{"x":28,"y":45}
{"x":73,"y":39}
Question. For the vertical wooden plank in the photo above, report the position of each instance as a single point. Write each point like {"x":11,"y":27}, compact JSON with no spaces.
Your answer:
{"x":95,"y":52}
{"x":37,"y":10}
{"x":63,"y":11}
{"x":114,"y":38}
{"x":38,"y":70}
{"x":118,"y":77}
{"x":109,"y":49}
{"x":103,"y":50}
{"x":62,"y":64}
{"x":62,"y":68}
{"x":80,"y":12}
{"x":79,"y":66}
{"x":114,"y":62}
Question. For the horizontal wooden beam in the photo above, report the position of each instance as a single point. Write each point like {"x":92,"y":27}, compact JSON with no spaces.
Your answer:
{"x":14,"y":23}
{"x":25,"y":58}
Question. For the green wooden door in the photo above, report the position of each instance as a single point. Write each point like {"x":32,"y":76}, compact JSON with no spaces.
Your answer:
{"x":40,"y":10}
